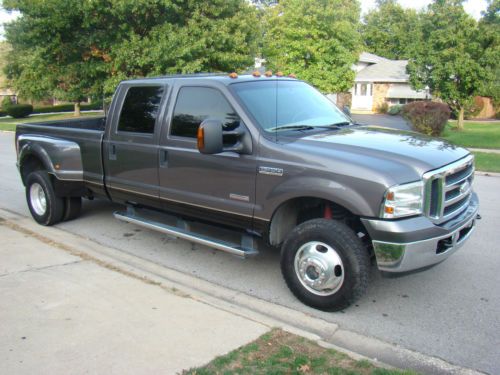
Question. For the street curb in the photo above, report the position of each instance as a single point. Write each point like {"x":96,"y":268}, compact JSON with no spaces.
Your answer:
{"x":487,"y":174}
{"x":324,"y":333}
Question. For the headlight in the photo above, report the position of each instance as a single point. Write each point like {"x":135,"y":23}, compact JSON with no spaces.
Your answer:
{"x":403,"y":200}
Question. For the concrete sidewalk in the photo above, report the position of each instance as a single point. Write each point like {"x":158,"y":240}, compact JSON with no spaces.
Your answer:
{"x":63,"y":314}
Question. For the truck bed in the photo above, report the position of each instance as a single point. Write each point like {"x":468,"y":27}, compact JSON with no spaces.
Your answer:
{"x":87,"y":133}
{"x":88,"y":123}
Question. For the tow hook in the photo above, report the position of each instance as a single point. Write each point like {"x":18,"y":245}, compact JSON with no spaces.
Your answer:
{"x":478,"y":217}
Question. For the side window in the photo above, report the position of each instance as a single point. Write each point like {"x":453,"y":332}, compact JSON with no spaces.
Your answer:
{"x":140,"y":109}
{"x":196,"y":104}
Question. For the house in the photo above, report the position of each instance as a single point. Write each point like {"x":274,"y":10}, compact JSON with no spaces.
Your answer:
{"x":380,"y":80}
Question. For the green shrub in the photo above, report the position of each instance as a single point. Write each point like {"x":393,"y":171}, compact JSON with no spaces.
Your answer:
{"x":427,"y":117}
{"x":383,"y":108}
{"x":19,"y":110}
{"x":67,"y":108}
{"x":6,"y":102}
{"x":3,"y":113}
{"x":395,"y":109}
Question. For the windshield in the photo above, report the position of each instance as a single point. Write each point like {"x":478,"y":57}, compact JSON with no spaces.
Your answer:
{"x":288,"y":105}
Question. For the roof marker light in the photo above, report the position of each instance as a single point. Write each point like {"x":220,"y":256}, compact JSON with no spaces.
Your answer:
{"x":279,"y":74}
{"x":256,"y":74}
{"x":233,"y":75}
{"x":291,"y":75}
{"x":269,"y":73}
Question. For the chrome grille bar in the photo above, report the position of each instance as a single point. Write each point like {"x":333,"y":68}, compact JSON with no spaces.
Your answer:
{"x":448,"y":189}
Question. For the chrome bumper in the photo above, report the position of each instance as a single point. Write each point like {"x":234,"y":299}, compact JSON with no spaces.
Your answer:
{"x":407,"y":256}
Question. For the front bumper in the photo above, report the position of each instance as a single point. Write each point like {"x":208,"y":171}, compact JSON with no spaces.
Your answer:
{"x":409,"y":244}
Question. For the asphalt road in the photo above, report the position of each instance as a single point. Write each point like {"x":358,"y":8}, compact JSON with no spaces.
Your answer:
{"x":451,"y":311}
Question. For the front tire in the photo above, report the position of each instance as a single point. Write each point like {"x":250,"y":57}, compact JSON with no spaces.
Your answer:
{"x":325,"y":264}
{"x":45,"y":207}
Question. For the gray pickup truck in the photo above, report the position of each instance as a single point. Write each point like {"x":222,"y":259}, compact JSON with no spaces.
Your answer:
{"x":270,"y":158}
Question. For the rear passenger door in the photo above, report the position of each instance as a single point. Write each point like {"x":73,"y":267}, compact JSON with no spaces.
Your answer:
{"x":131,"y":146}
{"x":217,"y":187}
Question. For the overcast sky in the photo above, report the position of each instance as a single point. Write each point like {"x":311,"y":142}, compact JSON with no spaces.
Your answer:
{"x":473,"y":7}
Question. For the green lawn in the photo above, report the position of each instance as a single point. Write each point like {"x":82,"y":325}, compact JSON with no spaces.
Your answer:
{"x":487,"y":162}
{"x":475,"y":134}
{"x":279,"y":352}
{"x":7,"y":123}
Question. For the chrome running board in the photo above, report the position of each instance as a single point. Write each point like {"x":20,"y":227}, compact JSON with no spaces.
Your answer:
{"x":244,"y":250}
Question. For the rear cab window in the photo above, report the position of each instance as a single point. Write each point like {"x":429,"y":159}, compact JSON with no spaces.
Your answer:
{"x":140,"y":109}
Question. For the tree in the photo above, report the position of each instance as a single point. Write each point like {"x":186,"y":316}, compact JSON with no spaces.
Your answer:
{"x":57,"y":48}
{"x":195,"y":36}
{"x":451,"y":60}
{"x":317,"y":40}
{"x":87,"y":47}
{"x":391,"y":31}
{"x":489,"y":32}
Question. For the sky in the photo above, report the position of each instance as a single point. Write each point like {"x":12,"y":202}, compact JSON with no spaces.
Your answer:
{"x":473,"y":7}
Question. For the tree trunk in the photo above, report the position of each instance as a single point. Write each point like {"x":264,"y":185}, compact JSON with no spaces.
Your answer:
{"x":460,"y":123}
{"x":77,"y":109}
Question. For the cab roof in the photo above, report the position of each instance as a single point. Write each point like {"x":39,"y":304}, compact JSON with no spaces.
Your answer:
{"x":219,"y":77}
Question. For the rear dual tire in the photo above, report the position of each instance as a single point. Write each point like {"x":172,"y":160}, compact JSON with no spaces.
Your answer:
{"x":44,"y":205}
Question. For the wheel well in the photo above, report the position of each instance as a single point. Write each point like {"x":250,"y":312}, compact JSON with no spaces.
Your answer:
{"x":30,"y":164}
{"x":298,"y":210}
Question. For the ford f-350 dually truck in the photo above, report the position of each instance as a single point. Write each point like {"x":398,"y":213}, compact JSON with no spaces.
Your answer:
{"x":269,"y":157}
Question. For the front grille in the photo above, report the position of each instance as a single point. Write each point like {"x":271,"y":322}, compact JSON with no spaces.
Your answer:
{"x":448,"y":190}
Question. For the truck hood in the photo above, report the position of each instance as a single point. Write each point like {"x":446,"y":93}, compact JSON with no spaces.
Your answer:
{"x":407,"y":154}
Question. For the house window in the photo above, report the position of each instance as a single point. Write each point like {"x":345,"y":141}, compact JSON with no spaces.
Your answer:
{"x":363,"y":89}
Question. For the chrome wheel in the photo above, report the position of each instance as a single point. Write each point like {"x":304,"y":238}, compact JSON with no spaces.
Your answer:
{"x":38,"y":199}
{"x":319,"y":268}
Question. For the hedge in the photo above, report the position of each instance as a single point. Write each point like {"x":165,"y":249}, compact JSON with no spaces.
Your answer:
{"x":19,"y":110}
{"x":395,"y":109}
{"x":67,"y":108}
{"x":427,"y":117}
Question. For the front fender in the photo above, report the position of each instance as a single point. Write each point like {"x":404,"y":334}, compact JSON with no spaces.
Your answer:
{"x":360,"y":197}
{"x":60,"y":157}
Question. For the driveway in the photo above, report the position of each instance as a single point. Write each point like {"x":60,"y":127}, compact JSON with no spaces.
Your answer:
{"x":449,"y":311}
{"x":388,"y":121}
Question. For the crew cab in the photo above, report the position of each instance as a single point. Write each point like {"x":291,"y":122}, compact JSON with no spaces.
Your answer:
{"x":268,"y":157}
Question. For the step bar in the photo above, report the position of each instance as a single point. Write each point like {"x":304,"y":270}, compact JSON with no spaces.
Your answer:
{"x":246,"y":249}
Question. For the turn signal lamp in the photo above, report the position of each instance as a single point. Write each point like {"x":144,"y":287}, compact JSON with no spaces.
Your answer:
{"x":403,"y":200}
{"x":200,"y":138}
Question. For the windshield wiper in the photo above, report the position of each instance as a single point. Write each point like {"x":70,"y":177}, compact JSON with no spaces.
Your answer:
{"x":292,"y":127}
{"x":339,"y":124}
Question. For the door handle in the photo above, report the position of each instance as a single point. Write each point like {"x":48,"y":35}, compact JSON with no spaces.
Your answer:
{"x":163,"y":158}
{"x":112,"y":152}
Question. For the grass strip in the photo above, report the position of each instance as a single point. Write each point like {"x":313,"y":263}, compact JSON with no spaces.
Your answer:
{"x":279,"y":352}
{"x":475,"y":134}
{"x":487,"y":161}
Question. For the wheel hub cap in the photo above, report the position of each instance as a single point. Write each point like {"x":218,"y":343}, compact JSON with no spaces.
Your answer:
{"x":319,"y":268}
{"x":38,"y":199}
